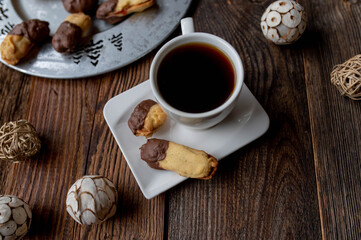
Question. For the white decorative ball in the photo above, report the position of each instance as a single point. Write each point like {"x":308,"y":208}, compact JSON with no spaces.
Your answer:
{"x":91,"y":199}
{"x":284,"y":22}
{"x":15,"y":217}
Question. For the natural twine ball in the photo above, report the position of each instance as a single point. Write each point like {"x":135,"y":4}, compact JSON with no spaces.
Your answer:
{"x":347,"y":77}
{"x":18,"y":141}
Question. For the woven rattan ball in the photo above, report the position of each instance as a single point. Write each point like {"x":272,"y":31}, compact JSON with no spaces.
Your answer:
{"x":347,"y":77}
{"x":18,"y":141}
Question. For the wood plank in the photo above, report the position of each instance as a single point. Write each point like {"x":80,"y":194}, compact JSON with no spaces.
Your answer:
{"x":67,"y":115}
{"x":62,"y":112}
{"x":266,"y":190}
{"x":14,"y":94}
{"x":334,"y":34}
{"x":76,"y":141}
{"x":137,"y":217}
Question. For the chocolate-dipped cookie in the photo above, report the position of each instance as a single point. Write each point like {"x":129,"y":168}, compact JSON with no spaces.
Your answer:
{"x":186,"y":161}
{"x":70,"y":32}
{"x":77,"y":6}
{"x":20,"y":40}
{"x":113,"y":11}
{"x":146,"y":118}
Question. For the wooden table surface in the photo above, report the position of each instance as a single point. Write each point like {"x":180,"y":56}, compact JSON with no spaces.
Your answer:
{"x":301,"y":180}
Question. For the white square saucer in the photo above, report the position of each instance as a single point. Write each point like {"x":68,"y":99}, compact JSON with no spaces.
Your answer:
{"x":246,"y":122}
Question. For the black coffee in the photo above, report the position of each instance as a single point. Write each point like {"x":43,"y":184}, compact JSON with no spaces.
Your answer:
{"x":196,"y":78}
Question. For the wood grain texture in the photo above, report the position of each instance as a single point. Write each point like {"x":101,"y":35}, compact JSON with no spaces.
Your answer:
{"x":76,"y":141}
{"x":301,"y":180}
{"x":336,"y":129}
{"x":137,"y":217}
{"x":14,"y":94}
{"x":268,"y":189}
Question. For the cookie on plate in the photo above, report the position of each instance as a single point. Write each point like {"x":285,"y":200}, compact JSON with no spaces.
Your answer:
{"x":146,"y":118}
{"x":70,"y":32}
{"x":22,"y":38}
{"x":113,"y":11}
{"x":186,"y":161}
{"x":76,"y":6}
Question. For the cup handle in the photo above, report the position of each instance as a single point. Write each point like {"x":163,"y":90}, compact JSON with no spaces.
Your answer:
{"x":187,"y":25}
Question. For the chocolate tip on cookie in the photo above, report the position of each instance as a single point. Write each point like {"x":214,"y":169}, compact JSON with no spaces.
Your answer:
{"x":146,"y":118}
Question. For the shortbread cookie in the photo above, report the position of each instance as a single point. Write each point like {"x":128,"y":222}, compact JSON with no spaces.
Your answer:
{"x":20,"y":40}
{"x":113,"y":11}
{"x":77,"y":6}
{"x":146,"y":118}
{"x":70,"y":32}
{"x":186,"y":161}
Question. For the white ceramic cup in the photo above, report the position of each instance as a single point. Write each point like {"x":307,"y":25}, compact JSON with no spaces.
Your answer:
{"x":205,"y":119}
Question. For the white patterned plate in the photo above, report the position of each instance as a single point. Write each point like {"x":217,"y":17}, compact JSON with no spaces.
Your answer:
{"x":107,"y":48}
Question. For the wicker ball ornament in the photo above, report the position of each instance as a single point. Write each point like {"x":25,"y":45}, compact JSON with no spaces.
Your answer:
{"x":18,"y":141}
{"x":347,"y":78}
